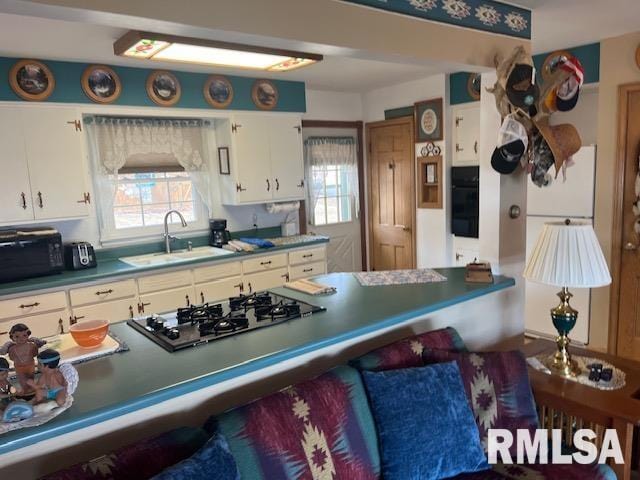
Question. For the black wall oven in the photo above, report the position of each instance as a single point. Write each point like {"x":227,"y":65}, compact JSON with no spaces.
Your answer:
{"x":465,"y":200}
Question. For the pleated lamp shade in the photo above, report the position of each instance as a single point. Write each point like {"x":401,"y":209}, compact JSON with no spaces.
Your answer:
{"x":568,"y":256}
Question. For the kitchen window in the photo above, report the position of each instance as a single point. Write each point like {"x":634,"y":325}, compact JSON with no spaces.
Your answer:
{"x":145,"y":167}
{"x":332,"y":179}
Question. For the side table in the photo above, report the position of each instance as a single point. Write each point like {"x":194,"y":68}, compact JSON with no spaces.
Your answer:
{"x":566,"y":404}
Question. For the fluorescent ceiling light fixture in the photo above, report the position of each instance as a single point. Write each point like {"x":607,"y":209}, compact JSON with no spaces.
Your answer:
{"x":170,"y":48}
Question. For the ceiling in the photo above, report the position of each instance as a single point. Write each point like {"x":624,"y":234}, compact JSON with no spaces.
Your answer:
{"x":84,"y":42}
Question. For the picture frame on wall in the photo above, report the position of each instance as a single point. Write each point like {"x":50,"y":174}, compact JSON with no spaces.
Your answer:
{"x":218,"y":91}
{"x":223,"y":161}
{"x":428,"y":120}
{"x":31,"y":80}
{"x":163,"y":88}
{"x":101,"y":84}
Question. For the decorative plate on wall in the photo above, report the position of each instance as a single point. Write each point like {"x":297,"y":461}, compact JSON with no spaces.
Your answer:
{"x":428,"y":120}
{"x":163,"y":88}
{"x":473,"y":86}
{"x":264,"y":94}
{"x":638,"y":56}
{"x":101,"y":84}
{"x":218,"y":91}
{"x":552,"y":61}
{"x":31,"y":80}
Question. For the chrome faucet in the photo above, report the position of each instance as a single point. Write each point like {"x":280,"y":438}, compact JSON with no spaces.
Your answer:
{"x":167,"y":237}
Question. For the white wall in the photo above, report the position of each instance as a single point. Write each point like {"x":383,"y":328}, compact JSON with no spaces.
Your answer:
{"x":433,"y":239}
{"x":325,"y":105}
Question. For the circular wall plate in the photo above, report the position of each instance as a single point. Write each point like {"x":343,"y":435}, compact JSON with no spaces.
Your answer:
{"x":264,"y":94}
{"x":101,"y":84}
{"x":218,"y":91}
{"x":473,"y":86}
{"x":31,"y":80}
{"x":163,"y":88}
{"x":551,"y":62}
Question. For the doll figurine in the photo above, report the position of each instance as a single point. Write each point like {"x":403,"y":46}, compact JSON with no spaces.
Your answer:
{"x":51,"y":385}
{"x":22,"y":350}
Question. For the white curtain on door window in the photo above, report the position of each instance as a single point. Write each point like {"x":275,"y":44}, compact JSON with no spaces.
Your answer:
{"x":323,"y":153}
{"x":134,"y":144}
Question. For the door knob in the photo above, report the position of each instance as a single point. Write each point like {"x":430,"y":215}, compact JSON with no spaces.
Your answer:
{"x":405,"y":228}
{"x":630,"y":246}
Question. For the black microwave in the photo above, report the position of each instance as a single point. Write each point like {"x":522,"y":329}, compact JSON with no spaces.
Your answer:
{"x":465,"y":201}
{"x":30,"y":252}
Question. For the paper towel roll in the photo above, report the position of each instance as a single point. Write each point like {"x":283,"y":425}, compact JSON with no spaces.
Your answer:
{"x":283,"y":207}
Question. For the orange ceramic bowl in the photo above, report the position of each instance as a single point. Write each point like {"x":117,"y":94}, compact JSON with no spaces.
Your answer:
{"x":89,"y":334}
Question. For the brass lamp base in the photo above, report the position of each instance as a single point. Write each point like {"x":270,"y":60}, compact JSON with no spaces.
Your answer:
{"x":564,"y":318}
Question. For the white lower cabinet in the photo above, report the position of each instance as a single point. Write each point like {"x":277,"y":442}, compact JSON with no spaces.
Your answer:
{"x":113,"y":311}
{"x":306,"y":270}
{"x":219,"y":290}
{"x":166,"y":300}
{"x":255,"y":282}
{"x":43,"y":325}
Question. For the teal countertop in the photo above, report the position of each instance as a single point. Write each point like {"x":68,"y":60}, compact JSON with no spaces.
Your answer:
{"x":109,"y":266}
{"x":109,"y":387}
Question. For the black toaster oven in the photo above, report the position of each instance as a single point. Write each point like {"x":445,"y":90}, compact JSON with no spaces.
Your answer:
{"x":29,"y":252}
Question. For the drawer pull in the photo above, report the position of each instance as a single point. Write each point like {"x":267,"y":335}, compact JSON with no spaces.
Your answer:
{"x":104,"y":292}
{"x":23,"y":200}
{"x":40,"y":201}
{"x":308,"y":255}
{"x":130,"y":311}
{"x":60,"y":326}
{"x":268,"y":185}
{"x":30,"y":305}
{"x":277,"y":184}
{"x":266,"y":263}
{"x":307,"y":270}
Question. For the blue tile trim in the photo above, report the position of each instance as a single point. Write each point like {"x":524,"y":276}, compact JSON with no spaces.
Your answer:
{"x":68,"y":89}
{"x":485,"y":15}
{"x":105,"y":414}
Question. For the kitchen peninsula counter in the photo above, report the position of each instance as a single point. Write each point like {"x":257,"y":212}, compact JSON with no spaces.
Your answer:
{"x":147,"y":374}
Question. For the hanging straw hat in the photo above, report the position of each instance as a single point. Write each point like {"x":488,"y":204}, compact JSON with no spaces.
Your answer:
{"x":563,"y":140}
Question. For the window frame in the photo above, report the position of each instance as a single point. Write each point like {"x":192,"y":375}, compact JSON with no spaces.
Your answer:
{"x":340,"y":170}
{"x":109,"y":233}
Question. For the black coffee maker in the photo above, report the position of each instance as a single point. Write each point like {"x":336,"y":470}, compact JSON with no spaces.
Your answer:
{"x":219,"y":234}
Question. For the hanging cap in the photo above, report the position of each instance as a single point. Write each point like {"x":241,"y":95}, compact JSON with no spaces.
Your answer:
{"x":511,"y":146}
{"x":568,"y":92}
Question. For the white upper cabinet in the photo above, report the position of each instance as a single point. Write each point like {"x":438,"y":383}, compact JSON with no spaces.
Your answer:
{"x":15,"y":191}
{"x":43,"y":164}
{"x":266,"y":159}
{"x":466,"y":128}
{"x":55,"y":155}
{"x":287,"y":167}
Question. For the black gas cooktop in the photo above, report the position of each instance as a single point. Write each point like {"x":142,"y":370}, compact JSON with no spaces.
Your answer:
{"x":204,"y":323}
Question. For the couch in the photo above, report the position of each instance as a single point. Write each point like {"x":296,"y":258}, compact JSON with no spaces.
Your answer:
{"x":322,"y":428}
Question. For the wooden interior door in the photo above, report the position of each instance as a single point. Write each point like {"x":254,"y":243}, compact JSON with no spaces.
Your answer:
{"x":392,"y":209}
{"x":626,"y":255}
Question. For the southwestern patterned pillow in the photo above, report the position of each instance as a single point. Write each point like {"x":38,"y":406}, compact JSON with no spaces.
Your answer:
{"x":407,"y":352}
{"x":497,"y":387}
{"x":542,"y":472}
{"x":140,"y":460}
{"x":321,"y":428}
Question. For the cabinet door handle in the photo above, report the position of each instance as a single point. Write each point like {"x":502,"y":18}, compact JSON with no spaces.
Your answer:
{"x":40,"y":202}
{"x":188,"y":300}
{"x":23,"y":200}
{"x":250,"y":287}
{"x":239,"y":188}
{"x":86,"y":198}
{"x":268,"y":185}
{"x":141,"y":307}
{"x":308,"y":255}
{"x":60,"y":326}
{"x":299,"y":128}
{"x":301,"y":184}
{"x":266,"y":263}
{"x":240,"y":287}
{"x":104,"y":292}
{"x":307,"y":270}
{"x":77,"y":124}
{"x":277,"y":185}
{"x":475,"y":147}
{"x":235,"y":127}
{"x":73,"y":320}
{"x":458,"y":120}
{"x":29,"y":305}
{"x":286,"y":277}
{"x":202,"y":296}
{"x":459,"y":148}
{"x":459,"y":256}
{"x":130,"y":311}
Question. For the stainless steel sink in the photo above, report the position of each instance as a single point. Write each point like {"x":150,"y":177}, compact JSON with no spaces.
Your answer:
{"x":153,"y":259}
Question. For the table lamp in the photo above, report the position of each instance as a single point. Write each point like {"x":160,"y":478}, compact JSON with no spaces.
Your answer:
{"x":567,"y":254}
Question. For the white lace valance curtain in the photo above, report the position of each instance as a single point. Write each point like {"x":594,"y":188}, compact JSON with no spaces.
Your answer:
{"x":323,"y":153}
{"x":124,"y":145}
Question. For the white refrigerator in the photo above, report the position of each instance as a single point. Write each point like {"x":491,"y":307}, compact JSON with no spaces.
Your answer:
{"x":572,"y":199}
